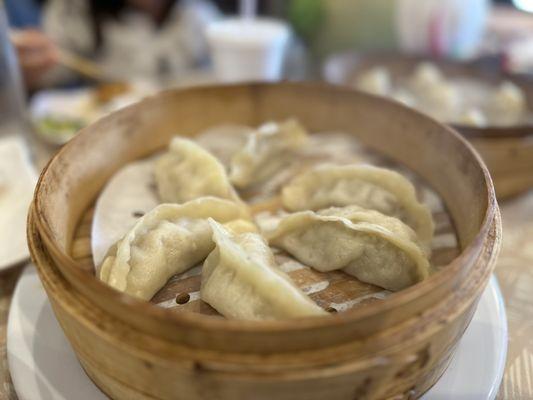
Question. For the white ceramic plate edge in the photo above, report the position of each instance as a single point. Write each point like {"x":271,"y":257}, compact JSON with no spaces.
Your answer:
{"x":43,"y":366}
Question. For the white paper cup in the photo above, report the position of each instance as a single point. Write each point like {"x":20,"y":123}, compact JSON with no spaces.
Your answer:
{"x":244,"y":50}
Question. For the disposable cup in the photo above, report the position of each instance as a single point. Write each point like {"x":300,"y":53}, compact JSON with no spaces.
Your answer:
{"x":248,"y":49}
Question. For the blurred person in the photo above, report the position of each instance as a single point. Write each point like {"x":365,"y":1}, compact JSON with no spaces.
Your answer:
{"x":23,"y":13}
{"x":37,"y":54}
{"x":150,"y":40}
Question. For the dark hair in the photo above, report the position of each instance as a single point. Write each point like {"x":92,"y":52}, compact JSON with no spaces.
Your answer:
{"x":102,"y":10}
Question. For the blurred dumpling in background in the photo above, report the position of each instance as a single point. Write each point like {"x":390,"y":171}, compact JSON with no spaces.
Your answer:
{"x":424,"y":76}
{"x":473,"y":117}
{"x":441,"y":100}
{"x":375,"y":81}
{"x":463,"y":100}
{"x":507,"y":104}
{"x":405,"y":97}
{"x":436,"y":96}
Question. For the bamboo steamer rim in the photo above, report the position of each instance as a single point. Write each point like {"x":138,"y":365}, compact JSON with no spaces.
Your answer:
{"x":474,"y":68}
{"x":206,"y":322}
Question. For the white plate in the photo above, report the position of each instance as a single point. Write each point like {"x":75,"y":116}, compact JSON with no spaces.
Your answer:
{"x":80,"y":104}
{"x":43,"y":365}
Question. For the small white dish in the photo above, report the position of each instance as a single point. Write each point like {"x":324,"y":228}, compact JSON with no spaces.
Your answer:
{"x":17,"y":183}
{"x":43,"y":366}
{"x":58,"y":114}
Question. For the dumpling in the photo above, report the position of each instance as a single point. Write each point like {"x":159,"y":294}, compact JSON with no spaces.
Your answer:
{"x":338,"y":147}
{"x":166,"y":241}
{"x":269,"y":222}
{"x":372,"y":248}
{"x":369,"y":187}
{"x":187,"y":172}
{"x":359,"y":214}
{"x":375,"y":81}
{"x":424,"y":76}
{"x":440,"y":100}
{"x":239,"y":226}
{"x":507,"y":104}
{"x":437,"y":97}
{"x":404,"y":97}
{"x":223,"y":141}
{"x":267,"y":151}
{"x":241,"y":280}
{"x":473,"y":117}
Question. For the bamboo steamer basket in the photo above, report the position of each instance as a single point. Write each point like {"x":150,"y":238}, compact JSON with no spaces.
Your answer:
{"x":392,"y":349}
{"x":507,"y":150}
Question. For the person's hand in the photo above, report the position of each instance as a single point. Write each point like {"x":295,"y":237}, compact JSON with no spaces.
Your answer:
{"x":36,"y":54}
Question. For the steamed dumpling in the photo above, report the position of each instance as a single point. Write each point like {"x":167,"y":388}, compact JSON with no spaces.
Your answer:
{"x":359,"y":214}
{"x":268,"y":222}
{"x":267,"y":151}
{"x":473,"y":117}
{"x":425,"y":76}
{"x":241,"y":280}
{"x":239,"y":226}
{"x":363,"y":185}
{"x":372,"y":248}
{"x":440,"y":100}
{"x":437,"y":97}
{"x":187,"y":172}
{"x":166,"y":241}
{"x":507,"y":104}
{"x":375,"y":81}
{"x":405,"y":97}
{"x":223,"y":141}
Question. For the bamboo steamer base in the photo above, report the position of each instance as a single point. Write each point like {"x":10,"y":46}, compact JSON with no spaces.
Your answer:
{"x":111,"y":387}
{"x":411,"y":362}
{"x":390,"y":349}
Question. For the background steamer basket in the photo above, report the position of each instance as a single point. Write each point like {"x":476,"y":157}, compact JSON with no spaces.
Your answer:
{"x":507,"y":150}
{"x":395,"y":347}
